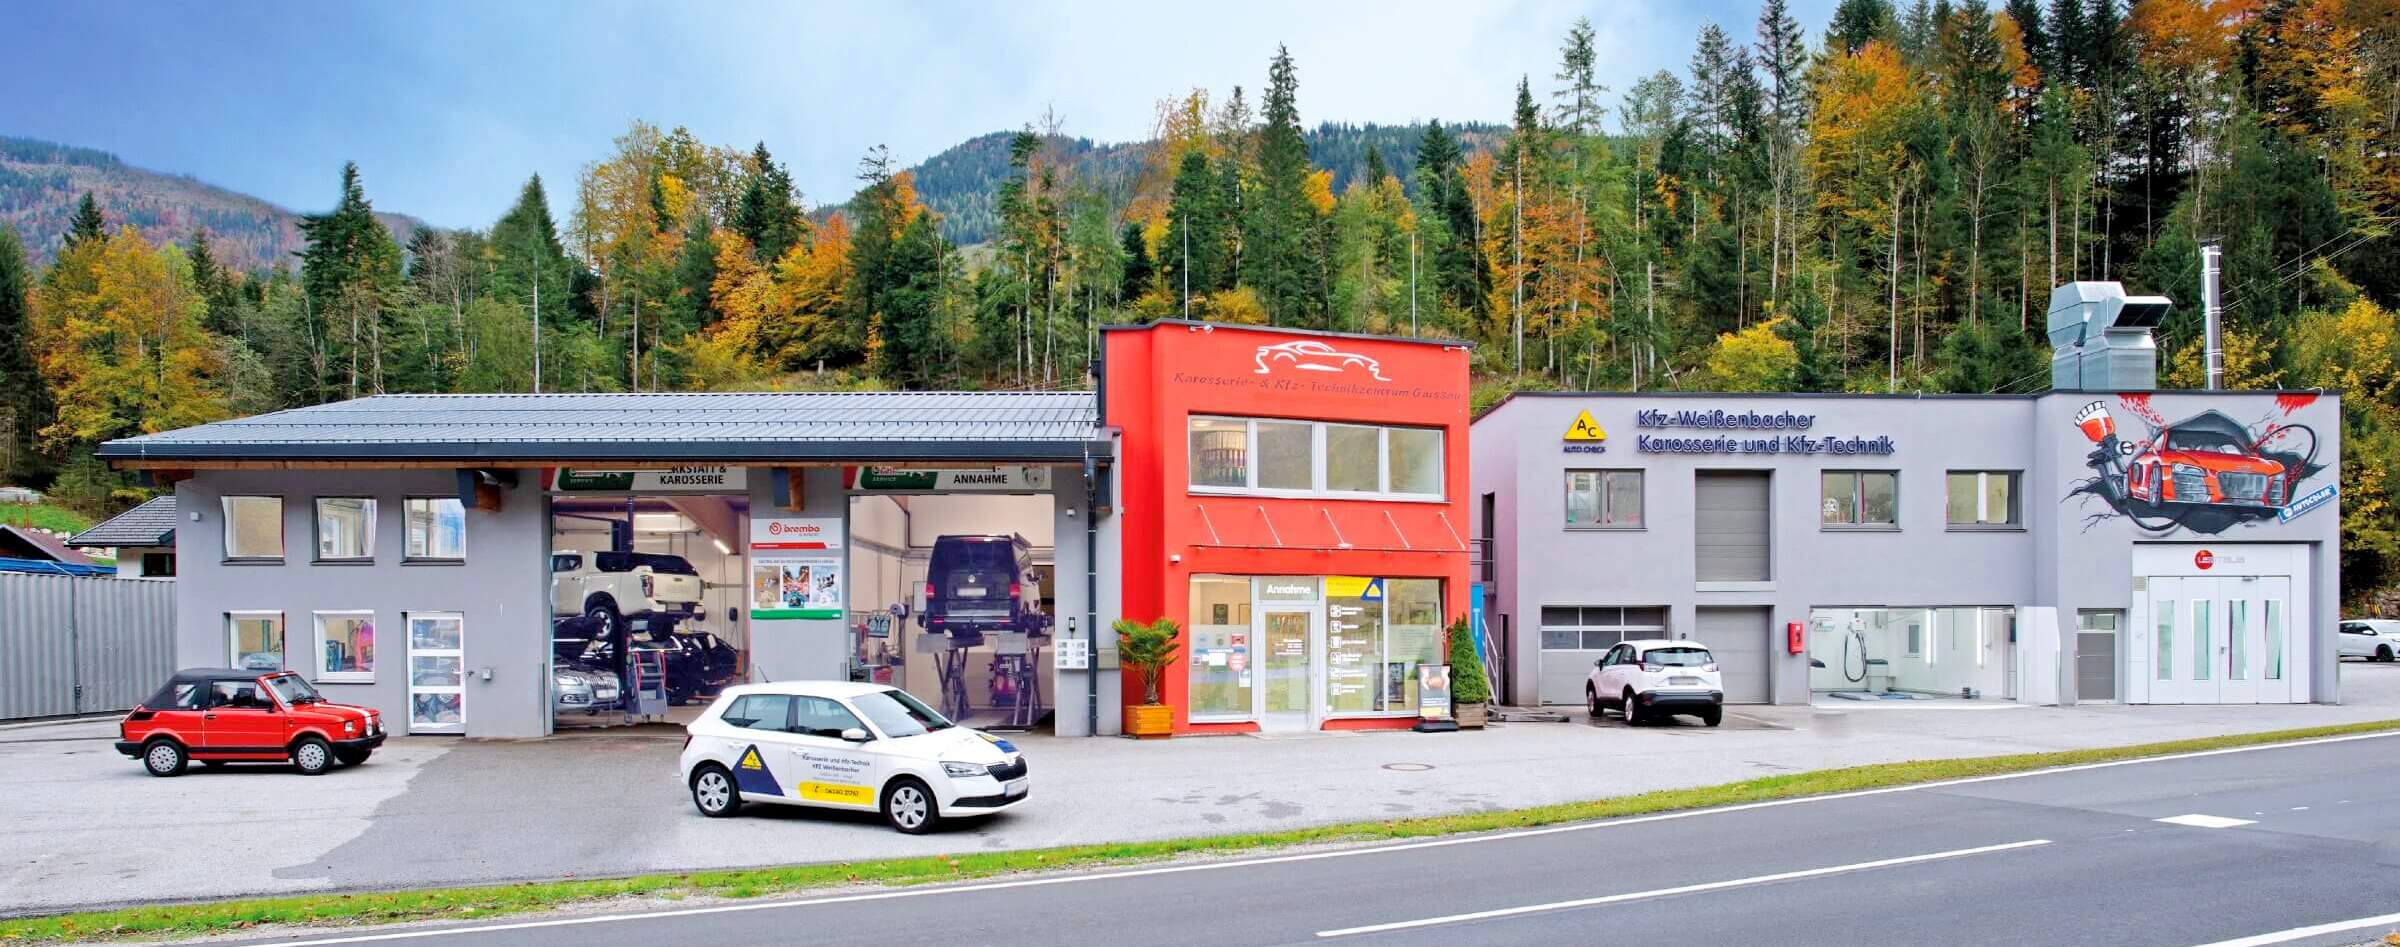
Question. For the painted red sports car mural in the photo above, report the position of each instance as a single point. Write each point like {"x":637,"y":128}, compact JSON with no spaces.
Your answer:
{"x":2204,"y":473}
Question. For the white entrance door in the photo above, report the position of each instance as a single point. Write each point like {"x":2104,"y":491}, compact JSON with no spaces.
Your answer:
{"x":2220,"y":640}
{"x":437,"y":673}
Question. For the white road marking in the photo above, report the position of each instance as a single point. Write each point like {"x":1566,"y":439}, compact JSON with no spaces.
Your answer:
{"x":1682,"y":889}
{"x":2313,"y":930}
{"x":930,"y":891}
{"x":2199,"y":821}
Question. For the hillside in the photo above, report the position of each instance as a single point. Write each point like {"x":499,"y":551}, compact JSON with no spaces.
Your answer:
{"x":962,"y":183}
{"x":40,"y":183}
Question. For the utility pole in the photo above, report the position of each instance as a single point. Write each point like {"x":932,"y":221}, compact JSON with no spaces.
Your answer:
{"x":537,"y":322}
{"x":2212,"y":312}
{"x":1187,"y":265}
{"x":1412,"y":284}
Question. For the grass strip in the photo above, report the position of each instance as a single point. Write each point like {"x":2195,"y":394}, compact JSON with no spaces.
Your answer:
{"x":485,"y":901}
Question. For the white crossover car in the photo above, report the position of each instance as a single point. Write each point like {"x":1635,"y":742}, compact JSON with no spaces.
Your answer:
{"x":1653,"y":678}
{"x":866,"y":747}
{"x":2375,"y":639}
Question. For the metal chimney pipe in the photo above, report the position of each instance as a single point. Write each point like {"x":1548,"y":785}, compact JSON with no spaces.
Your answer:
{"x":2211,"y":310}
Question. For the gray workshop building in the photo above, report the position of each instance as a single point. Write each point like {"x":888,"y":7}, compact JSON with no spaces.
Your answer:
{"x":2098,"y":541}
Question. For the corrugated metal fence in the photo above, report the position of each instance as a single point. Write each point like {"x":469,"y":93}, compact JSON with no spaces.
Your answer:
{"x":72,"y":644}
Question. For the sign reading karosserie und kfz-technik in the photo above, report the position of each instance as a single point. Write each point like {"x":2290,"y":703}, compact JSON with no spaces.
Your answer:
{"x":1717,"y":431}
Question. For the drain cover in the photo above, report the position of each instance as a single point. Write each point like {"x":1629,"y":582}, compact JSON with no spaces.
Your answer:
{"x":1408,"y":767}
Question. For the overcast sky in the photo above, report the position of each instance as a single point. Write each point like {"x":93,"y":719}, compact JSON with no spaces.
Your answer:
{"x":447,"y":106}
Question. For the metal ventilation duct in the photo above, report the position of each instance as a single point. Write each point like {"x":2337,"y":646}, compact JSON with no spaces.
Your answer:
{"x":2100,"y":338}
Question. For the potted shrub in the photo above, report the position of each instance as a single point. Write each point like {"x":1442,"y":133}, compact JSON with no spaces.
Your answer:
{"x":1146,"y":651}
{"x":1470,"y":691}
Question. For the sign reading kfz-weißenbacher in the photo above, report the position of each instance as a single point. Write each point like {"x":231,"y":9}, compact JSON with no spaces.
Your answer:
{"x":1753,"y":432}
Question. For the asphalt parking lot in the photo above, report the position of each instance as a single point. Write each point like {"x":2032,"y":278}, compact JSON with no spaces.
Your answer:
{"x":81,"y":825}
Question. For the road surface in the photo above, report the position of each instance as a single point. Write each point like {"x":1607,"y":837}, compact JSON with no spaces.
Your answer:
{"x":2176,"y":852}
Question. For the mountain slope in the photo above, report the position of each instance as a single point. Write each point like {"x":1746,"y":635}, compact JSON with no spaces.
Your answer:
{"x":962,"y":183}
{"x":40,"y":183}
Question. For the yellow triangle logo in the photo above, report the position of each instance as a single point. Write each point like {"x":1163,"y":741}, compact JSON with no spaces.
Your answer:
{"x":1585,"y":429}
{"x":750,"y":760}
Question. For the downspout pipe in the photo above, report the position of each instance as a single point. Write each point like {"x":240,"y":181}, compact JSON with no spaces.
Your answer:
{"x":1091,"y":592}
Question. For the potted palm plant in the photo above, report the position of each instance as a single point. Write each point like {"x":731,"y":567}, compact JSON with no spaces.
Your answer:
{"x":1146,"y":651}
{"x":1470,"y":691}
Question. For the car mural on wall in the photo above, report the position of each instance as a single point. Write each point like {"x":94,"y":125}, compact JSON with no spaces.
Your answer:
{"x":2206,"y":473}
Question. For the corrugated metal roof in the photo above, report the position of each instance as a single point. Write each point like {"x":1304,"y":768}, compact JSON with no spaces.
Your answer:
{"x":150,"y":524}
{"x":756,"y":426}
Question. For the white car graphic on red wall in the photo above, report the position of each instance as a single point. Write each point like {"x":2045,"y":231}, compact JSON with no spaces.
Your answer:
{"x":1312,"y":356}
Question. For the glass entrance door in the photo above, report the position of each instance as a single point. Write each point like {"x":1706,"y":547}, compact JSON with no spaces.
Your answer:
{"x":1285,"y":688}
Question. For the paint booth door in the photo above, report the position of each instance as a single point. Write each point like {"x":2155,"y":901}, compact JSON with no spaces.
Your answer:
{"x":2219,"y":640}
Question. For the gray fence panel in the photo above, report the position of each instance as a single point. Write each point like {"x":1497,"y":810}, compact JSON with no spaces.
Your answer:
{"x":124,"y":640}
{"x":112,"y":639}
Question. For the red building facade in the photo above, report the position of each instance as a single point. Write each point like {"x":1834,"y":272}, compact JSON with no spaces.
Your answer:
{"x":1297,"y":503}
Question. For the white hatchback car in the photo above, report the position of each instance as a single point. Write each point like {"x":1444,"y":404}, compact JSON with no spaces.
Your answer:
{"x":1656,"y":677}
{"x":868,"y":747}
{"x":2375,"y":639}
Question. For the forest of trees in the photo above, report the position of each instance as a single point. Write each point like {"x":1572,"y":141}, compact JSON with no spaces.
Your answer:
{"x":1882,"y":206}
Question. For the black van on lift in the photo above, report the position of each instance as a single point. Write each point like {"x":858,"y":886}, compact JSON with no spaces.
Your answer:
{"x":977,"y":585}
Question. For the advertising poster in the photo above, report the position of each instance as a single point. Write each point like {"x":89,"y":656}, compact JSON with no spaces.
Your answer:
{"x":1433,"y":692}
{"x":796,"y":567}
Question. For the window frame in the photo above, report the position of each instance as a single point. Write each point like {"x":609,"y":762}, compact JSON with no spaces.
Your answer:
{"x":1317,"y":461}
{"x":316,"y":509}
{"x":225,"y":530}
{"x":1858,"y":501}
{"x":283,"y":634}
{"x":1606,"y":474}
{"x":2015,"y":522}
{"x":317,"y":663}
{"x":409,"y":556}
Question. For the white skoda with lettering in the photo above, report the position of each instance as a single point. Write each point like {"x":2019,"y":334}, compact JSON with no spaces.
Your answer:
{"x":846,"y":746}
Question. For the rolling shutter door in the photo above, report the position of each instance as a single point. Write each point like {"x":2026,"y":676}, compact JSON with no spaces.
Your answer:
{"x":1738,"y":638}
{"x":1731,"y":526}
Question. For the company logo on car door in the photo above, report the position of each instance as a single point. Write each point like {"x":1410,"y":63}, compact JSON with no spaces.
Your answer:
{"x":1309,"y":355}
{"x":752,"y":775}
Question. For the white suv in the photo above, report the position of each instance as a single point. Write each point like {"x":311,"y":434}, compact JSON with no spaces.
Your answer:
{"x":2375,"y":639}
{"x":608,"y":587}
{"x":1653,"y":678}
{"x":842,"y":745}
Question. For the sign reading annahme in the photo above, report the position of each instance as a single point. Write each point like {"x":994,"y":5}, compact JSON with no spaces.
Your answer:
{"x":1746,"y":432}
{"x":1031,"y":479}
{"x":796,"y":567}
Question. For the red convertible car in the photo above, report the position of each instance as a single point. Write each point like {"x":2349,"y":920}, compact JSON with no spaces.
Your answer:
{"x":221,"y":715}
{"x":2207,"y":459}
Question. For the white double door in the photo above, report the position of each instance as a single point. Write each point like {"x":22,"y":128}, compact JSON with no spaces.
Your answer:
{"x":2220,"y":640}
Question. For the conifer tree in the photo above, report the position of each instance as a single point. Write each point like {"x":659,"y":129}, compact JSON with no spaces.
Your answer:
{"x":1281,"y":242}
{"x":24,"y":399}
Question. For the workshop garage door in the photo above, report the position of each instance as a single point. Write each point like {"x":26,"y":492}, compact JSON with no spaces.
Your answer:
{"x":1738,"y":637}
{"x":1574,"y":637}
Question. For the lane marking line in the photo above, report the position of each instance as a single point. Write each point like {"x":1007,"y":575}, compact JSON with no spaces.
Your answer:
{"x":1682,"y":889}
{"x":2313,"y":930}
{"x":918,"y":892}
{"x":2199,"y":821}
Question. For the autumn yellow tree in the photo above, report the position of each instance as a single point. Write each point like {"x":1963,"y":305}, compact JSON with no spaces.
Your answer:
{"x":1859,"y":158}
{"x":1756,"y":358}
{"x":124,"y":349}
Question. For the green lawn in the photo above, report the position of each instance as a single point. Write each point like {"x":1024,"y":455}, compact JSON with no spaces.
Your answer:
{"x":452,"y":904}
{"x":48,"y":516}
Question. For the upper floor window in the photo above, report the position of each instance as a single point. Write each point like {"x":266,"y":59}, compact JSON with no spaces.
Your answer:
{"x":345,"y":528}
{"x":1868,"y":498}
{"x":253,"y":527}
{"x":437,"y":528}
{"x":1604,"y":499}
{"x":1265,"y":455}
{"x":1983,"y":498}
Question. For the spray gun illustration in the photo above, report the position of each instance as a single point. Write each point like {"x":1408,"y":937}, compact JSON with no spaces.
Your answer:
{"x":2110,"y":454}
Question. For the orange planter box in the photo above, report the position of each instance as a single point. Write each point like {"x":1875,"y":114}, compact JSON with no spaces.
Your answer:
{"x":1150,"y":721}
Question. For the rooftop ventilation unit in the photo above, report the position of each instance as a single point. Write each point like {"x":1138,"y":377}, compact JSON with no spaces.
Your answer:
{"x":2100,"y":338}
